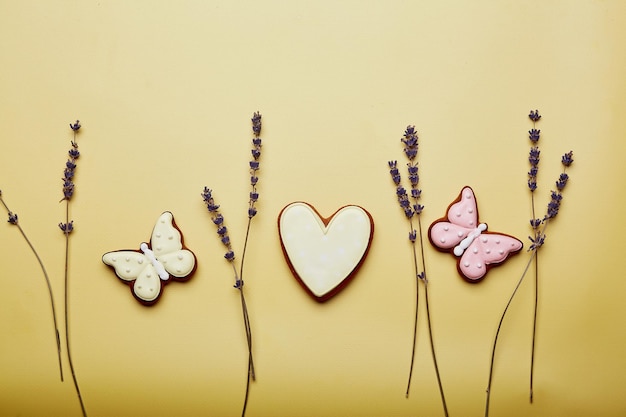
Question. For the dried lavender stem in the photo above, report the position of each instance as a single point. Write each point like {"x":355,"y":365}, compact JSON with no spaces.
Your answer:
{"x":45,"y":274}
{"x":495,"y":341}
{"x":244,"y":305}
{"x":408,"y":386}
{"x":68,"y":191}
{"x":67,"y":327}
{"x":251,"y":376}
{"x":246,"y":321}
{"x":532,"y":353}
{"x":430,"y":330}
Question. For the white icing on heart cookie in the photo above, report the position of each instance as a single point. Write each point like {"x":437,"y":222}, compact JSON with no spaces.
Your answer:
{"x":144,"y":270}
{"x":324,"y":254}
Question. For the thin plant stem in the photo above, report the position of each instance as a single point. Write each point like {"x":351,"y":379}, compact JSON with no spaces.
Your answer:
{"x":67,"y":327}
{"x":244,"y":305}
{"x":432,"y":349}
{"x":45,"y":274}
{"x":532,"y":353}
{"x":430,"y":330}
{"x":246,"y":320}
{"x":495,"y":341}
{"x":417,"y":293}
{"x":536,"y":289}
{"x":251,"y":376}
{"x":245,"y":246}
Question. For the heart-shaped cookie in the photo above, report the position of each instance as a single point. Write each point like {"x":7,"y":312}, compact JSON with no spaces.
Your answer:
{"x":324,"y":253}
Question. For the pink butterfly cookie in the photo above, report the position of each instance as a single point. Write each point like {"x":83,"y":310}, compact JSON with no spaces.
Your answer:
{"x":461,"y":234}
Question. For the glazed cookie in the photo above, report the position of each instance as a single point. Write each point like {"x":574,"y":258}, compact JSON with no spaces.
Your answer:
{"x":148,"y":269}
{"x":324,"y":254}
{"x":461,"y":234}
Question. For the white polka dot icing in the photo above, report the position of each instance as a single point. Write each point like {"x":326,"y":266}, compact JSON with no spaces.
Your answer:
{"x":324,"y":254}
{"x":461,"y":234}
{"x":147,"y":270}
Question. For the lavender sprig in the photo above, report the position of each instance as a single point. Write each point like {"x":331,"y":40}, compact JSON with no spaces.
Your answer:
{"x":537,"y":240}
{"x":13,"y":219}
{"x":67,"y":227}
{"x":222,"y":231}
{"x":409,"y":203}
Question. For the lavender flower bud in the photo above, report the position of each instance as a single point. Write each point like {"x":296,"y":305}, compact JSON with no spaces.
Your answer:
{"x":206,"y":194}
{"x":533,"y":156}
{"x":222,"y":230}
{"x":410,"y":153}
{"x":12,"y":218}
{"x":562,"y":181}
{"x":537,"y":242}
{"x":413,"y":176}
{"x":67,"y":228}
{"x":68,"y":174}
{"x":218,"y":220}
{"x":413,"y":235}
{"x":256,"y":123}
{"x":254,"y":196}
{"x":251,"y":212}
{"x":567,"y":159}
{"x":393,"y":171}
{"x":534,"y":115}
{"x":75,"y":126}
{"x":254,"y":165}
{"x":68,"y":189}
{"x":225,"y":240}
{"x":534,"y":134}
{"x":230,"y":255}
{"x":553,"y":205}
{"x":410,"y":142}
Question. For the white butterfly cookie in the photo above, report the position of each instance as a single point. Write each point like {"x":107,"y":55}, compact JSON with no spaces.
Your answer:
{"x":151,"y":267}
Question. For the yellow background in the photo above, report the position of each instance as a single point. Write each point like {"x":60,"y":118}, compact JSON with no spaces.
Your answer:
{"x":165,"y":91}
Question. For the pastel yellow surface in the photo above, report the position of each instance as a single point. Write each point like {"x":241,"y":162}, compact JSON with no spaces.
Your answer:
{"x":165,"y":92}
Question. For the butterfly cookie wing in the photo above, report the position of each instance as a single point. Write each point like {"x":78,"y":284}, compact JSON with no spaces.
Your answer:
{"x":445,"y":235}
{"x":165,"y":236}
{"x":179,"y":264}
{"x":127,"y":264}
{"x":147,"y":286}
{"x":167,"y":244}
{"x":463,"y":211}
{"x":488,"y":250}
